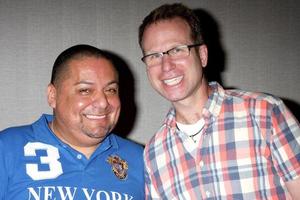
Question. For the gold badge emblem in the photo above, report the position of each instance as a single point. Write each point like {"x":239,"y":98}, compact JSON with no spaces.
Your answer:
{"x":118,"y":166}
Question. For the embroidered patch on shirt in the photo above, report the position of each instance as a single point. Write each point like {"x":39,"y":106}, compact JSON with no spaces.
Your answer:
{"x":118,"y":166}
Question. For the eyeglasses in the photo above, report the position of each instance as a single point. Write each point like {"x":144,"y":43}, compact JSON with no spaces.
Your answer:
{"x":178,"y":52}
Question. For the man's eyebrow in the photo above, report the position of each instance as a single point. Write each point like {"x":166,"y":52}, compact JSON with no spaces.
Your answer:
{"x":113,"y":82}
{"x":84,"y":82}
{"x":91,"y":82}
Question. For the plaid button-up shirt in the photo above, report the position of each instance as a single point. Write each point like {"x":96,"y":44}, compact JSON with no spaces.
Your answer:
{"x":248,"y":149}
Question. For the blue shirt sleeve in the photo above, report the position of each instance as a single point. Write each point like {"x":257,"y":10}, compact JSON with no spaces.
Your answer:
{"x":3,"y":172}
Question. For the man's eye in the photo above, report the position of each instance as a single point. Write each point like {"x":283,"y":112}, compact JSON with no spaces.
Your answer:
{"x":176,"y":50}
{"x":154,"y":56}
{"x":84,"y":91}
{"x":111,"y":91}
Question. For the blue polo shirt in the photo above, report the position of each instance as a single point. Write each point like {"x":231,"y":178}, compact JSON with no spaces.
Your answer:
{"x":36,"y":165}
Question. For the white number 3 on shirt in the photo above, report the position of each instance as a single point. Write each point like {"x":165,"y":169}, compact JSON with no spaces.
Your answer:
{"x":50,"y":159}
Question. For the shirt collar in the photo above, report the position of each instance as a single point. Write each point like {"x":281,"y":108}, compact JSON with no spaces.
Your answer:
{"x":215,"y":101}
{"x":42,"y":131}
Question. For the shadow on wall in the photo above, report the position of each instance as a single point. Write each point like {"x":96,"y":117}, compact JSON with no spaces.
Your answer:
{"x":293,"y":107}
{"x":217,"y":58}
{"x":212,"y":38}
{"x":127,"y":96}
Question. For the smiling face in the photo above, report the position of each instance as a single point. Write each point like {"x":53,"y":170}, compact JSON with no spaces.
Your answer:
{"x":86,"y":101}
{"x":176,"y":80}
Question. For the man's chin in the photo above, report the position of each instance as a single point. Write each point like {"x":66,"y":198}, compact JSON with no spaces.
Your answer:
{"x":174,"y":98}
{"x":96,"y":133}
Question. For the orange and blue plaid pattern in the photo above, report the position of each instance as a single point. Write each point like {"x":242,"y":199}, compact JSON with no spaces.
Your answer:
{"x":249,"y":148}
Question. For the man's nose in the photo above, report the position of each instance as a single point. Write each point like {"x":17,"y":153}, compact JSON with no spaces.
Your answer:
{"x":166,"y":63}
{"x":100,"y":100}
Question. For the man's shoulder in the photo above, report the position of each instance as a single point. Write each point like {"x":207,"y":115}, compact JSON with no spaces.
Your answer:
{"x":15,"y":131}
{"x":158,"y":139}
{"x":127,"y":143}
{"x":14,"y":138}
{"x":27,"y":131}
{"x":244,"y":95}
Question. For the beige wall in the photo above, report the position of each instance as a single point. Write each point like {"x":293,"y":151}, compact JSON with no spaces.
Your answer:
{"x":254,"y":46}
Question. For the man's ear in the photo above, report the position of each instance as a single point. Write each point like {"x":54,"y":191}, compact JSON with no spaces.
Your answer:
{"x":51,"y":95}
{"x":203,"y":53}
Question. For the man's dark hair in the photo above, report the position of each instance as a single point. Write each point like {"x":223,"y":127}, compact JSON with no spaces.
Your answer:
{"x":171,"y":11}
{"x":75,"y":52}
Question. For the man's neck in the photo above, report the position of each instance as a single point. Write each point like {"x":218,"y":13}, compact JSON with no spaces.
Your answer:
{"x":189,"y":110}
{"x":85,"y":150}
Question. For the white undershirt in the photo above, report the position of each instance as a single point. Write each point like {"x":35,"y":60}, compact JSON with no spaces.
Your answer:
{"x":194,"y":131}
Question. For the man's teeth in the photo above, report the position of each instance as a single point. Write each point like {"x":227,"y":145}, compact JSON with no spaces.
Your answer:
{"x":95,"y":116}
{"x":173,"y":81}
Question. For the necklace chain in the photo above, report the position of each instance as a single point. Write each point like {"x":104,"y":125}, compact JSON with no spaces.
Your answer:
{"x":192,"y":136}
{"x":195,"y":134}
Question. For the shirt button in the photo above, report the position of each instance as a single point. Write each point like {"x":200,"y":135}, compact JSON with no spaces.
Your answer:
{"x":79,"y":156}
{"x":201,"y":163}
{"x":207,"y":194}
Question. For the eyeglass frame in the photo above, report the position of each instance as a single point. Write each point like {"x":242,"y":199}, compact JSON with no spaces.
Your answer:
{"x":161,"y":54}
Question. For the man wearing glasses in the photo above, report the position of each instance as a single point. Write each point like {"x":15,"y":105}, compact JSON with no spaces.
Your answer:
{"x":214,"y":143}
